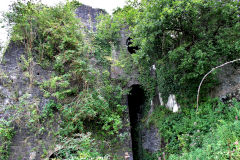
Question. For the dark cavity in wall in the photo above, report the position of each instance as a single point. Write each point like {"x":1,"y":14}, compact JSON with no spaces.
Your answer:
{"x":136,"y":99}
{"x":131,"y":49}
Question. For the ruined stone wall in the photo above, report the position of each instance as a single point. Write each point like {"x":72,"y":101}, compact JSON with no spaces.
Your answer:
{"x":19,"y":97}
{"x":88,"y":16}
{"x":18,"y":92}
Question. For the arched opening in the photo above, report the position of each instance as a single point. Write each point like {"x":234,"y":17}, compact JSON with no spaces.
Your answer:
{"x":131,"y":49}
{"x":136,"y":99}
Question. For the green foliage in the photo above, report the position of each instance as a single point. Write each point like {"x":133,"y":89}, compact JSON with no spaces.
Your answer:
{"x":220,"y":143}
{"x":185,"y":39}
{"x":56,"y":37}
{"x":92,"y":107}
{"x":200,"y":135}
{"x":83,"y":93}
{"x":150,"y":156}
{"x":6,"y":135}
{"x":108,"y":30}
{"x":128,"y":14}
{"x":57,"y":86}
{"x":147,"y":80}
{"x":82,"y":146}
{"x":106,"y":37}
{"x":49,"y":110}
{"x":127,"y":18}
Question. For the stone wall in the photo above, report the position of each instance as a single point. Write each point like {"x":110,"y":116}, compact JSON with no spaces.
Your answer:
{"x":18,"y":99}
{"x":21,"y":97}
{"x":88,"y":16}
{"x":229,"y":81}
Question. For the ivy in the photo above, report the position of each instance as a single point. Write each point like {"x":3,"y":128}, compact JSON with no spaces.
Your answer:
{"x":185,"y":39}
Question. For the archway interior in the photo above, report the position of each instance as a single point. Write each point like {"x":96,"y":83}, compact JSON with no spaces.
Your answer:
{"x":136,"y":99}
{"x":131,"y":49}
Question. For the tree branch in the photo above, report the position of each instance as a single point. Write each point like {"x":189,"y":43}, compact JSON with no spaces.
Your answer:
{"x":199,"y":87}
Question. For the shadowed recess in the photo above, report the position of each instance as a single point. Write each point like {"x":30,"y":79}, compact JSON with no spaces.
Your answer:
{"x":131,"y":49}
{"x":136,"y":100}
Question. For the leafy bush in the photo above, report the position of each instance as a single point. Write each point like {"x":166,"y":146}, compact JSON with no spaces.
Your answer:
{"x":199,"y":135}
{"x":53,"y":34}
{"x":82,"y":146}
{"x":6,"y":135}
{"x":185,"y":39}
{"x":82,"y":93}
{"x":220,"y":143}
{"x":91,"y":107}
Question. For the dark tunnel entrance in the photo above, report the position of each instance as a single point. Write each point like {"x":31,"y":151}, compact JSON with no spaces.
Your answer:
{"x":136,"y":99}
{"x":131,"y":49}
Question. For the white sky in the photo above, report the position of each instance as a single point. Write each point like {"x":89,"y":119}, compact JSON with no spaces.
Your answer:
{"x":108,"y":5}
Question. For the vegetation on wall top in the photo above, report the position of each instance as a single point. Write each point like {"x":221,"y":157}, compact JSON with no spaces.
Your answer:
{"x":184,"y":39}
{"x":83,"y":93}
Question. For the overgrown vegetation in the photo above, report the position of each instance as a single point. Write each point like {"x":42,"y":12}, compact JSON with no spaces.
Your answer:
{"x":183,"y":39}
{"x":54,"y":38}
{"x":6,"y":135}
{"x":212,"y":133}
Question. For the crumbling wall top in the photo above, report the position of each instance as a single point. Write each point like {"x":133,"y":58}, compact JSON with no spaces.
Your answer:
{"x":88,"y":15}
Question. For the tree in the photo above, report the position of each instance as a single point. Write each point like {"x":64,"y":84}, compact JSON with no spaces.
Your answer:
{"x":185,"y":39}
